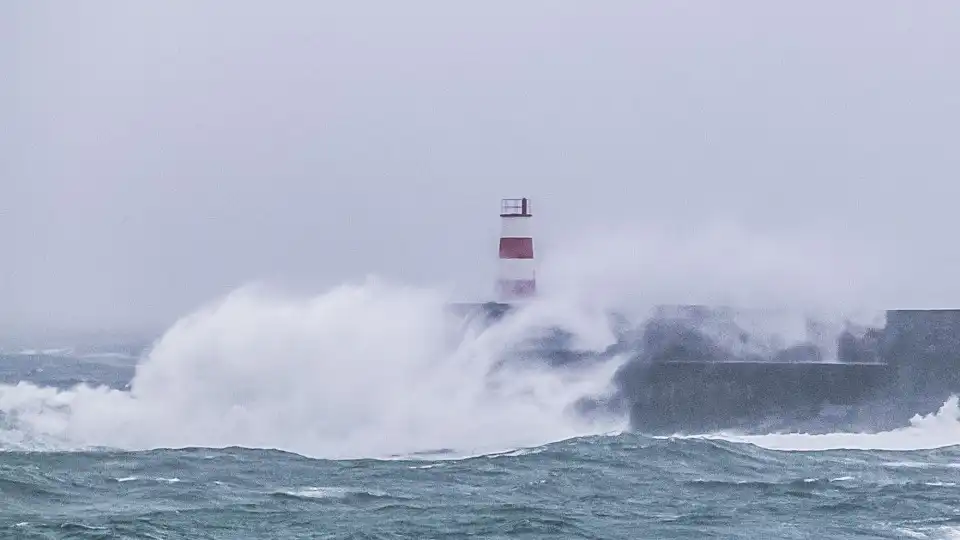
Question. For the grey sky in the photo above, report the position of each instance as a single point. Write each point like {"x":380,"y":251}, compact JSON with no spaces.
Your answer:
{"x":155,"y":155}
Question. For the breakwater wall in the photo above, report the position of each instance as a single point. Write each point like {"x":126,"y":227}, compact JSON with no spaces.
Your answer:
{"x":682,"y":381}
{"x":691,"y":370}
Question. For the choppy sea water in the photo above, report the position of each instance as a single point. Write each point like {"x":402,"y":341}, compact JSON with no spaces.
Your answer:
{"x":610,"y":487}
{"x":625,"y":486}
{"x":604,"y":486}
{"x":248,"y":422}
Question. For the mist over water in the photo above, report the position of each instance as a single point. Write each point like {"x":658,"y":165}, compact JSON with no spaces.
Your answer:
{"x":379,"y":369}
{"x":776,"y":283}
{"x":721,"y":263}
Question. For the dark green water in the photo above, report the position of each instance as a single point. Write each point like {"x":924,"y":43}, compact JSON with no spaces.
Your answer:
{"x":623,"y":486}
{"x":601,"y":486}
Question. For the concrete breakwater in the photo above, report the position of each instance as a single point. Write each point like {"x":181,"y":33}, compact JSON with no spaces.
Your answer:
{"x":688,"y":372}
{"x":681,"y":381}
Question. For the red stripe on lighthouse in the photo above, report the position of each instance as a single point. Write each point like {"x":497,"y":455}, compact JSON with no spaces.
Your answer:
{"x":516,"y":248}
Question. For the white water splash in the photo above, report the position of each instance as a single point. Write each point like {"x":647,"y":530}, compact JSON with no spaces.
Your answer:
{"x":336,"y":492}
{"x":361,"y":371}
{"x":930,"y":533}
{"x":936,"y":430}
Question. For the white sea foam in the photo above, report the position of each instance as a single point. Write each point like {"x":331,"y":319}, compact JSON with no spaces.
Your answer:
{"x":935,"y":430}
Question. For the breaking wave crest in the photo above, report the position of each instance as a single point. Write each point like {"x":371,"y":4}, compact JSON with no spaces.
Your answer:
{"x":368,"y":370}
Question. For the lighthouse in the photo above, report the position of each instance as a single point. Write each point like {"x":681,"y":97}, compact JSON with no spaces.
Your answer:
{"x":517,"y":277}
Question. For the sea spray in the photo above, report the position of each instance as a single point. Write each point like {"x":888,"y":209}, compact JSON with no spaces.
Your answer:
{"x":366,"y":370}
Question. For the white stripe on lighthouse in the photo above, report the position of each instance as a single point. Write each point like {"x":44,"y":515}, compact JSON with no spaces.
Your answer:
{"x":517,"y":268}
{"x":516,"y":227}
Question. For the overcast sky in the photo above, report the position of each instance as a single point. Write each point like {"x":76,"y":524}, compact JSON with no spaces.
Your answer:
{"x":155,"y":155}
